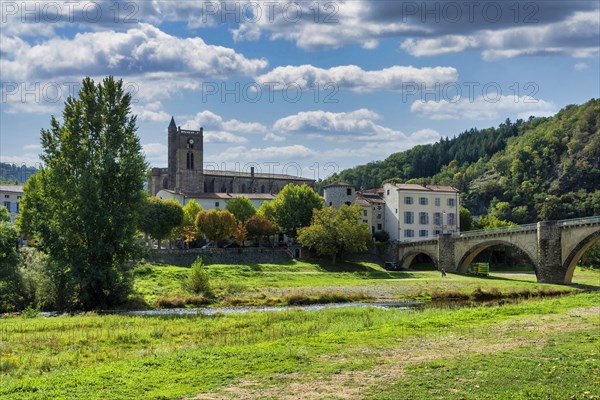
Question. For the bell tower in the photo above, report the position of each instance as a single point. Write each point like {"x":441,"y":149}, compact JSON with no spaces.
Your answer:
{"x":186,"y":159}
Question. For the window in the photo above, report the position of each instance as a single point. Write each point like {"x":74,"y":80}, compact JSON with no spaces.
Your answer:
{"x":438,"y":202}
{"x":190,"y":160}
{"x":18,"y":208}
{"x":408,"y":200}
{"x":7,"y":205}
{"x":349,"y":191}
{"x":396,"y":211}
{"x":423,"y":233}
{"x":409,"y":217}
{"x":379,"y":207}
{"x":451,"y":219}
{"x":388,"y":192}
{"x":409,"y":233}
{"x":19,"y":197}
{"x":436,"y":232}
{"x":330,"y":203}
{"x":243,"y":188}
{"x":7,"y":196}
{"x":379,"y":216}
{"x":262,"y":188}
{"x":379,"y":227}
{"x":365,"y":213}
{"x":365,"y":221}
{"x":437,"y":218}
{"x":217,"y":204}
{"x":423,"y":218}
{"x":423,"y":201}
{"x":451,"y":202}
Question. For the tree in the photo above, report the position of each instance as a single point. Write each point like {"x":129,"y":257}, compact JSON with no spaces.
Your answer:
{"x":293,"y":207}
{"x":10,"y":279}
{"x":4,"y":214}
{"x":466,"y":219}
{"x":188,"y":229}
{"x":240,"y":234}
{"x":216,"y":225}
{"x":258,"y":226}
{"x":332,"y":232}
{"x":84,"y":203}
{"x":267,"y":211}
{"x":241,"y":208}
{"x":492,"y":222}
{"x":159,"y":218}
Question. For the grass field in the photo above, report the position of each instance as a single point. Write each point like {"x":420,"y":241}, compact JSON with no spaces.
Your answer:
{"x":272,"y":284}
{"x":537,"y":349}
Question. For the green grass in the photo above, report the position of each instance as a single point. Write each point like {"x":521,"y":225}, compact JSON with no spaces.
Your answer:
{"x":275,"y":284}
{"x":380,"y":353}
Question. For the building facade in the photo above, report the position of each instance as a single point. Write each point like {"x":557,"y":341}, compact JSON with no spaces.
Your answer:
{"x":373,"y":210}
{"x":339,"y":193}
{"x":210,"y":201}
{"x":185,"y":172}
{"x":417,"y":212}
{"x":10,"y":197}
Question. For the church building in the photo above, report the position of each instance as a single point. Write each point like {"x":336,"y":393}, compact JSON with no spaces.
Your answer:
{"x":185,"y":174}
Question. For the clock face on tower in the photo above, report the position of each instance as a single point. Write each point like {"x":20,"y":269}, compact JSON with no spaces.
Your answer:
{"x":190,"y":141}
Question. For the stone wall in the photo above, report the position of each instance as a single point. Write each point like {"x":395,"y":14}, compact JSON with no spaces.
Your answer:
{"x":248,"y":255}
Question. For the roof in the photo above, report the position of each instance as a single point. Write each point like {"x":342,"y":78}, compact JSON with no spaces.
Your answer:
{"x":11,"y":188}
{"x":338,"y":183}
{"x":368,"y":198}
{"x":223,"y":196}
{"x":260,"y":175}
{"x":424,"y":187}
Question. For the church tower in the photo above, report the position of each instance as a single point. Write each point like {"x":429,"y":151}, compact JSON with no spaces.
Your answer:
{"x":185,"y":159}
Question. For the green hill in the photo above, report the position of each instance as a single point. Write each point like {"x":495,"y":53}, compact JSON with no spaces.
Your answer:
{"x":522,"y":171}
{"x":13,"y":173}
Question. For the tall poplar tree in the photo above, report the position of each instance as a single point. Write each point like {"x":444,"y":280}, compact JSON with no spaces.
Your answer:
{"x":85,"y":201}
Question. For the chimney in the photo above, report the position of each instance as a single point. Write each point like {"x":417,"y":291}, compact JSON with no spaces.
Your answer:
{"x":252,"y":172}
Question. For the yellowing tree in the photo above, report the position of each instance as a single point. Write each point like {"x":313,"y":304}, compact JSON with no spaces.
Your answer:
{"x":216,"y":225}
{"x":333,"y":232}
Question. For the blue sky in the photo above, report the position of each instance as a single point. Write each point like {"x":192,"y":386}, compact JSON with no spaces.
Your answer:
{"x":341,"y":83}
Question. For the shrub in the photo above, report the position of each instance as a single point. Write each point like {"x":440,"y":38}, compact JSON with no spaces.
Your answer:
{"x":197,"y":280}
{"x":381,"y":236}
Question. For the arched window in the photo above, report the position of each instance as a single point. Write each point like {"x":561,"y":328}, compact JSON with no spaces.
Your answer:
{"x":223,"y":189}
{"x":190,"y":160}
{"x":243,"y":190}
{"x":262,"y":188}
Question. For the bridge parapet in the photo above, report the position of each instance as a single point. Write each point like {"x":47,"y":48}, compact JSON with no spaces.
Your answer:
{"x":567,"y":223}
{"x":498,"y":231}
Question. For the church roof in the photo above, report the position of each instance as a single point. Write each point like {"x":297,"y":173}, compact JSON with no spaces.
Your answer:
{"x":224,"y":196}
{"x":260,"y":175}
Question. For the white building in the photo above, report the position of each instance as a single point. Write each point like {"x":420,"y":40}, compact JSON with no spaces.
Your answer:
{"x":416,"y":212}
{"x":10,"y":197}
{"x":208,"y":201}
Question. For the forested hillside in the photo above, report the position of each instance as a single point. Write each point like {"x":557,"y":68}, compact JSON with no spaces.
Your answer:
{"x":13,"y":173}
{"x":521,"y":172}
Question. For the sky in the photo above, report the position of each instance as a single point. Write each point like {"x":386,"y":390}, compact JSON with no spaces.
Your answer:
{"x":300,"y":87}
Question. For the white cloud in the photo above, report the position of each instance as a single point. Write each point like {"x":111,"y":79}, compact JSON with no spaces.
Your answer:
{"x":484,"y":109}
{"x":156,"y":153}
{"x":358,"y":125}
{"x":355,"y":78}
{"x":32,"y":146}
{"x":576,"y":36}
{"x":581,"y":66}
{"x":263,"y":154}
{"x":218,"y":130}
{"x":152,"y":112}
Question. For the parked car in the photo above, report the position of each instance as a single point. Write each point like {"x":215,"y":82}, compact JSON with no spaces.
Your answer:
{"x":209,"y":245}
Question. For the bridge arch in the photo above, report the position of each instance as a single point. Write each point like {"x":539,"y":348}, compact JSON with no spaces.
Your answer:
{"x":467,"y":258}
{"x":409,"y":257}
{"x":576,"y":254}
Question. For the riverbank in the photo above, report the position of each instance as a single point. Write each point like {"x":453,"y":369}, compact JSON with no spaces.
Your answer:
{"x":535,"y":349}
{"x":301,"y":283}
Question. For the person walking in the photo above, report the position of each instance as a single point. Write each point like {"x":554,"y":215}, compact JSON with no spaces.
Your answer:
{"x":443,"y":272}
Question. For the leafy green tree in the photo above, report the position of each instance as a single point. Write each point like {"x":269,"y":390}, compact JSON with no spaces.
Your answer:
{"x":216,"y":225}
{"x":333,"y":232}
{"x":10,"y":279}
{"x":492,"y":222}
{"x":159,"y":218}
{"x":466,"y":219}
{"x":84,"y":203}
{"x":267,"y":211}
{"x":197,"y":281}
{"x":4,"y":214}
{"x":241,"y":208}
{"x":293,"y":207}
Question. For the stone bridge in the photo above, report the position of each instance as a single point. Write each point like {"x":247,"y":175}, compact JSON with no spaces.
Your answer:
{"x":553,"y":247}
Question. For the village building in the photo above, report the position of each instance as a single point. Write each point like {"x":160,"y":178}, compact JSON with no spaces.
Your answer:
{"x":415,"y":211}
{"x":10,"y":197}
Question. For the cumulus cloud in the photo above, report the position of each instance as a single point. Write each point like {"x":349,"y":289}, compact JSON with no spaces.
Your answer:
{"x":355,"y":78}
{"x":359,"y":125}
{"x":577,"y":36}
{"x":156,"y":153}
{"x":580,"y":66}
{"x":263,"y":154}
{"x":218,"y":130}
{"x":482,"y":108}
